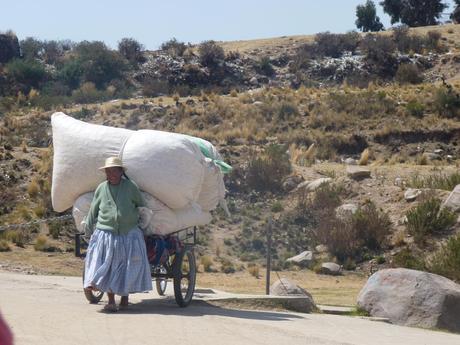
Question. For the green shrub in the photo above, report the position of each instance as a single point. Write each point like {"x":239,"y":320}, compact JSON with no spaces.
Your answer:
{"x":264,"y":66}
{"x":227,"y":266}
{"x":428,"y":218}
{"x":277,"y":206}
{"x":210,"y":53}
{"x":406,"y":259}
{"x":409,"y":74}
{"x":18,"y":237}
{"x":207,"y":263}
{"x":372,"y":226}
{"x":447,"y":101}
{"x":131,"y":50}
{"x":446,"y":261}
{"x":4,"y":246}
{"x":174,"y":47}
{"x":54,"y":229}
{"x":415,"y":108}
{"x":437,"y":181}
{"x":334,"y":45}
{"x":29,"y":73}
{"x":266,"y":172}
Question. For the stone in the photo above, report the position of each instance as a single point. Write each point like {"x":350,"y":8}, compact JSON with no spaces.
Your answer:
{"x":258,"y":103}
{"x":432,"y":156}
{"x":321,"y":248}
{"x":358,"y":172}
{"x":303,"y":259}
{"x":412,"y":298}
{"x":438,"y":151}
{"x":285,"y":287}
{"x":253,"y":81}
{"x":411,"y":194}
{"x":331,"y":268}
{"x":346,"y":211}
{"x":453,"y":200}
{"x":313,"y":185}
{"x":350,"y":161}
{"x":291,"y":182}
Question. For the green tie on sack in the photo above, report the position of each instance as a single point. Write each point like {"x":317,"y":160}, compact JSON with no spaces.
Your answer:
{"x":224,"y":167}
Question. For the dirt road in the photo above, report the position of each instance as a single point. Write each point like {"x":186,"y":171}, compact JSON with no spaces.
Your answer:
{"x":52,"y":310}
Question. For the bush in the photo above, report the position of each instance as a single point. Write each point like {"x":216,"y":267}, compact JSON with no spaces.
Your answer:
{"x":372,"y":226}
{"x":446,"y":261}
{"x":29,"y":73}
{"x":428,"y":218}
{"x":437,"y":181}
{"x":210,"y":54}
{"x":227,"y":266}
{"x":174,"y":47}
{"x":379,"y":52}
{"x":415,"y":108}
{"x":9,"y":47}
{"x":264,"y":66}
{"x":334,"y":45}
{"x":131,"y":50}
{"x":87,"y":93}
{"x":31,"y":48}
{"x":447,"y":101}
{"x":266,"y":172}
{"x":406,"y":259}
{"x":254,"y":270}
{"x":4,"y":246}
{"x":409,"y":74}
{"x":207,"y":263}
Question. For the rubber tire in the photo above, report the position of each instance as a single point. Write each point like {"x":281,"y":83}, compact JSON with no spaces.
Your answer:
{"x":181,"y":300}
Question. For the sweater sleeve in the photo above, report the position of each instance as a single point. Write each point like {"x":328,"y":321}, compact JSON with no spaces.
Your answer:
{"x":138,"y":200}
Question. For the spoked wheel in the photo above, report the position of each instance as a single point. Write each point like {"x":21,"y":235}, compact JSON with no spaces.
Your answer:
{"x":161,"y":286}
{"x":93,"y":297}
{"x":184,"y":277}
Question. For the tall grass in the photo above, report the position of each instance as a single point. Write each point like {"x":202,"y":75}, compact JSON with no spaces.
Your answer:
{"x":437,"y":181}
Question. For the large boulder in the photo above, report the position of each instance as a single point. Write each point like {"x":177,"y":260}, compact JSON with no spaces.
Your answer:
{"x":358,"y":172}
{"x":412,"y":298}
{"x":331,"y":268}
{"x":286,"y":287}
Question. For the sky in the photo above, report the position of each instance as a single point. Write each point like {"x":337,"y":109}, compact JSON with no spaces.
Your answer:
{"x":153,"y":22}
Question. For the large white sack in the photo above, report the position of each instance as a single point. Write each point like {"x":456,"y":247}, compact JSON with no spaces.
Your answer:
{"x":166,"y":165}
{"x":213,"y":188}
{"x":163,"y":220}
{"x":79,"y":150}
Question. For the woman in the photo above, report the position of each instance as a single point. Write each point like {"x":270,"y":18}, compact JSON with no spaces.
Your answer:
{"x":116,"y":260}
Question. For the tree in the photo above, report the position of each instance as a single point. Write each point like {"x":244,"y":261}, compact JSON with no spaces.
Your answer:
{"x":131,"y":50}
{"x":31,"y":48}
{"x":414,"y":12}
{"x":9,"y":47}
{"x":367,"y":19}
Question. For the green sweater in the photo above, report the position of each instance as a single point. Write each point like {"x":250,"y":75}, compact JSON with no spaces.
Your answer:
{"x":114,"y":207}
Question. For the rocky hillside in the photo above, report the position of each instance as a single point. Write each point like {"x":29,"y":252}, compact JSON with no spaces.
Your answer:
{"x":348,"y":153}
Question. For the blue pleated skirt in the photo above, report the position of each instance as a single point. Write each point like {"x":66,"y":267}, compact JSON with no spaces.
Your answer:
{"x":117,"y":263}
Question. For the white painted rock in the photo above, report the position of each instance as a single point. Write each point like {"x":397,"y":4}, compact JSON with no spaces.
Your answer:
{"x":304,"y":259}
{"x":412,"y":298}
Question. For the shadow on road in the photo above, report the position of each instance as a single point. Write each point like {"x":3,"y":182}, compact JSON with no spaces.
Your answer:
{"x":168,"y":306}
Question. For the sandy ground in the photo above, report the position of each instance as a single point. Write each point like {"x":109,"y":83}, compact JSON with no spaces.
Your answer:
{"x":52,"y":310}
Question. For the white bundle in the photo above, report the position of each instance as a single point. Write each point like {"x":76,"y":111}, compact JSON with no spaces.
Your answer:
{"x":168,"y":166}
{"x":161,"y":221}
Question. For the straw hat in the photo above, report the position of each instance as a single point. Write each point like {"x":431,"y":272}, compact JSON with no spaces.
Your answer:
{"x":113,"y":162}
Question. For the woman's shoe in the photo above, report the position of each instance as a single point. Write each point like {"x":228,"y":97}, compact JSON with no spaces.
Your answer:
{"x":110,"y":308}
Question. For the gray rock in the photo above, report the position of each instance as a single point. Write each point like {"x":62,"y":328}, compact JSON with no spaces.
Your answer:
{"x":412,"y":298}
{"x":346,"y":211}
{"x":358,"y":172}
{"x":432,"y":156}
{"x":331,"y":268}
{"x":438,"y":151}
{"x":350,"y":161}
{"x":303,"y":259}
{"x":285,"y":287}
{"x":321,"y":248}
{"x":258,"y":103}
{"x":253,"y":81}
{"x":291,"y":182}
{"x":411,"y":194}
{"x":453,"y":200}
{"x":313,"y":185}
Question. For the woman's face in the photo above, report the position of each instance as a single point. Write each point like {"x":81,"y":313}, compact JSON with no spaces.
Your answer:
{"x":114,"y":174}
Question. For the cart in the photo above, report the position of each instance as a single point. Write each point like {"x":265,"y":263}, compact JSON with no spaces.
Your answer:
{"x":177,"y":264}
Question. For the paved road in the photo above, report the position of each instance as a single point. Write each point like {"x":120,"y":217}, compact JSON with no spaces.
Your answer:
{"x":52,"y":310}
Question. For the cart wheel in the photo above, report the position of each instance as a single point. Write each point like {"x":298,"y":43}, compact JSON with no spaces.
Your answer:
{"x":93,"y":297}
{"x":161,"y":286}
{"x":184,"y":277}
